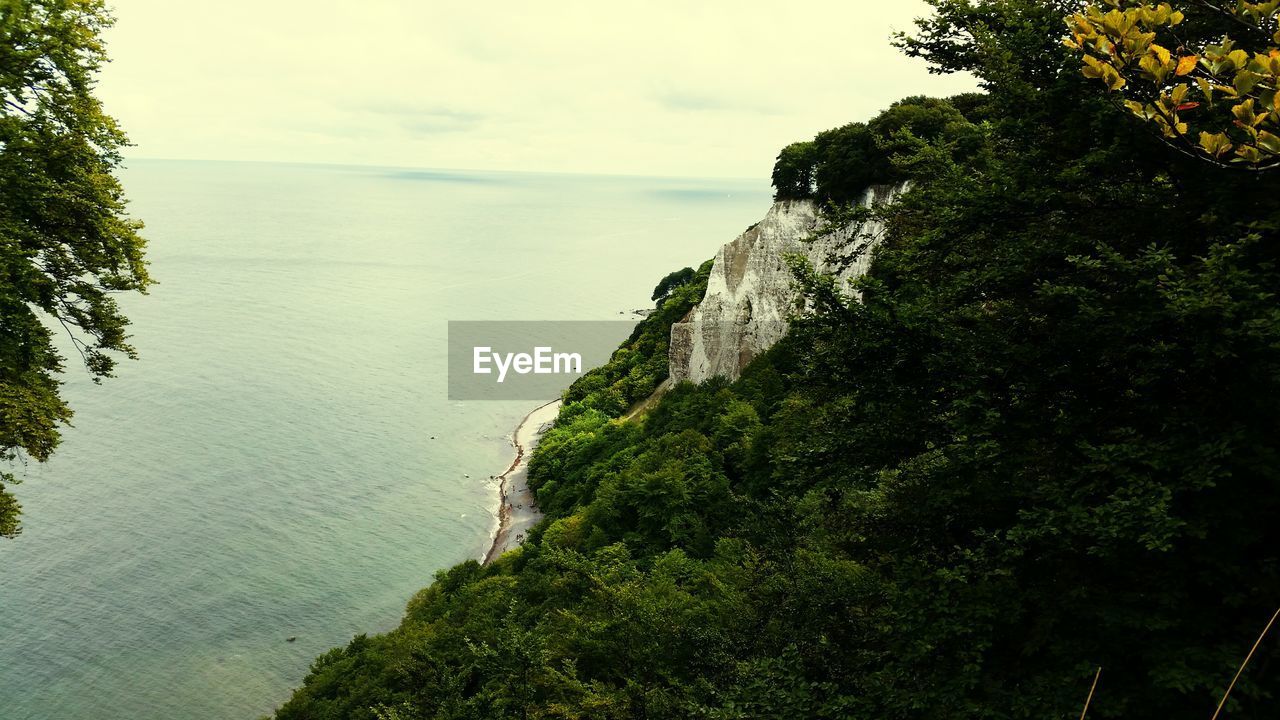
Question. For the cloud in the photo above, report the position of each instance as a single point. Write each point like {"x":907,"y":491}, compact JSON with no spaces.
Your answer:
{"x":422,"y":119}
{"x":693,"y":101}
{"x":657,"y":88}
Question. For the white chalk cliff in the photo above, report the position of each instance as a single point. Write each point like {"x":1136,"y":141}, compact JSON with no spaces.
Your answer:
{"x":751,"y":292}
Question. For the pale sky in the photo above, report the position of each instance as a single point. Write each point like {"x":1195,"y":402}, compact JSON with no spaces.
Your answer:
{"x":708,"y":89}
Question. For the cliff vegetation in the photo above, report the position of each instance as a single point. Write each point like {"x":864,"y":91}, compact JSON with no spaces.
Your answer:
{"x":1043,"y":443}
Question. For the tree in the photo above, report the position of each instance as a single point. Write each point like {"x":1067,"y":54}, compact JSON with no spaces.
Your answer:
{"x":672,"y":281}
{"x":848,"y":161}
{"x":67,"y":246}
{"x":838,"y":165}
{"x":793,"y":172}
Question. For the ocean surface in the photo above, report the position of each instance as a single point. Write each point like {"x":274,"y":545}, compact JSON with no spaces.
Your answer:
{"x":267,"y":469}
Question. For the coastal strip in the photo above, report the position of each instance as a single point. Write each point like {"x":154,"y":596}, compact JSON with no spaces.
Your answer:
{"x":519,"y":510}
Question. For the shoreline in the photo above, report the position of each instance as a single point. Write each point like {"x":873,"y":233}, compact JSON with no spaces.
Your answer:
{"x":518,"y":510}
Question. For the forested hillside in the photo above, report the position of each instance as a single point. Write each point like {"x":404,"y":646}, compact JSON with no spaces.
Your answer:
{"x":1044,"y":443}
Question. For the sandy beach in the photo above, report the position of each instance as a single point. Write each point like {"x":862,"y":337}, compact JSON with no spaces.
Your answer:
{"x":518,"y":511}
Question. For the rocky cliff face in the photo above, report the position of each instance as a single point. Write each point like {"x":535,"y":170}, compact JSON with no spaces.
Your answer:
{"x":751,"y":292}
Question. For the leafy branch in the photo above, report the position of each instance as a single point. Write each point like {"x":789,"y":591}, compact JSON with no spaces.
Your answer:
{"x":1218,"y":102}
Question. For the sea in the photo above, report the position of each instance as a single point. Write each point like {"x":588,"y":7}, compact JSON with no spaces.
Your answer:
{"x":282,"y":469}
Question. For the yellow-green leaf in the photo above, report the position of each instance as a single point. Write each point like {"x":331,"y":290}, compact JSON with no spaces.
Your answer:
{"x":1113,"y":79}
{"x":1151,"y":65}
{"x":1216,"y":144}
{"x":1244,"y":112}
{"x":1205,"y":89}
{"x":1269,"y":142}
{"x":1246,"y":81}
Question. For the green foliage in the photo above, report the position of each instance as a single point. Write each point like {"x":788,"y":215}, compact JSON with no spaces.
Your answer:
{"x":1043,"y":442}
{"x":66,"y":245}
{"x":9,"y":508}
{"x":847,"y":162}
{"x":793,"y":171}
{"x":684,"y":276}
{"x":838,"y":165}
{"x":640,"y":365}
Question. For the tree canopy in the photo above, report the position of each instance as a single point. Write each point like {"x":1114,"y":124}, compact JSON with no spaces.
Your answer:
{"x":67,"y":246}
{"x":672,"y":281}
{"x":838,"y":165}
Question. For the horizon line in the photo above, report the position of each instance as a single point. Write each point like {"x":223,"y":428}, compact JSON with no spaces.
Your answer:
{"x":126,"y":159}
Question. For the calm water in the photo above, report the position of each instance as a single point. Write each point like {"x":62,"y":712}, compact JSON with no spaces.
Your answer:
{"x":266,"y":470}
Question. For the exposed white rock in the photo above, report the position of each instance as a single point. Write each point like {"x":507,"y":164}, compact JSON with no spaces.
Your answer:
{"x":751,"y":292}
